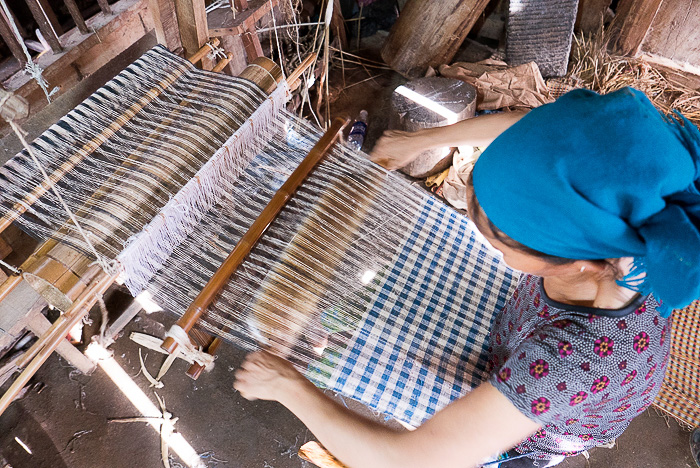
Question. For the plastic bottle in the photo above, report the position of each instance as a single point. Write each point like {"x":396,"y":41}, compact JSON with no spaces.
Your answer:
{"x":358,"y":131}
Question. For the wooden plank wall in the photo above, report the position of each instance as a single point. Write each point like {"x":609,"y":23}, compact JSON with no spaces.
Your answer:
{"x":668,"y":29}
{"x":675,"y":32}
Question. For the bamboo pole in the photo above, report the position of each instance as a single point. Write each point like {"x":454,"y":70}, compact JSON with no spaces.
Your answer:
{"x":293,"y":80}
{"x":222,"y":63}
{"x":21,"y":207}
{"x":255,"y":232}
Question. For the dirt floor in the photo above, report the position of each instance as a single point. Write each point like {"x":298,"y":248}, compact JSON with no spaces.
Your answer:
{"x":66,"y":419}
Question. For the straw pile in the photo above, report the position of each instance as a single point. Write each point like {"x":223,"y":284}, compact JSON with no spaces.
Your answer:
{"x":592,"y":66}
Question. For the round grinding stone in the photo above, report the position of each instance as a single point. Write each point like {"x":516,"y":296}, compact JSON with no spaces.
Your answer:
{"x":426,"y":103}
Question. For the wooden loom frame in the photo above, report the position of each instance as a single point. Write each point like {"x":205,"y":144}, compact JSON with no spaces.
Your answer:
{"x":100,"y":281}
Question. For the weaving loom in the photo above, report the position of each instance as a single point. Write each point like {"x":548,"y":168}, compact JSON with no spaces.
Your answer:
{"x":368,"y":284}
{"x":364,"y":281}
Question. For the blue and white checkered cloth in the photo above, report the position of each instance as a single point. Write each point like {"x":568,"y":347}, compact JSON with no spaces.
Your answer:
{"x":423,"y":341}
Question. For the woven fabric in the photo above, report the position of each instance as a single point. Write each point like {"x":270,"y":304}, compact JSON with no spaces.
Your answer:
{"x":680,"y":391}
{"x":423,"y":341}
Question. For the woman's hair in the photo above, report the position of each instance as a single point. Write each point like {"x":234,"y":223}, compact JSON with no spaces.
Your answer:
{"x":477,"y":215}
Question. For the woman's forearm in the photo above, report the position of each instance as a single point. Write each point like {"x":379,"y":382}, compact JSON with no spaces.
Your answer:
{"x":396,"y":149}
{"x":356,"y":441}
{"x":478,"y":131}
{"x":461,"y":435}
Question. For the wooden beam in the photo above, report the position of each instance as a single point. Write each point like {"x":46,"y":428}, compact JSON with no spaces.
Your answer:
{"x":166,"y":25}
{"x":631,"y":25}
{"x":429,"y":34}
{"x":11,"y":40}
{"x":76,"y":15}
{"x":38,"y":324}
{"x":591,"y":14}
{"x":675,"y":32}
{"x":45,"y":26}
{"x":192,"y":19}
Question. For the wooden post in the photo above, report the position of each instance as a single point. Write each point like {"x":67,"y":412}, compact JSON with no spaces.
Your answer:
{"x":165,"y":24}
{"x":104,"y":6}
{"x":251,"y":43}
{"x":76,"y":15}
{"x":429,"y":34}
{"x":238,"y":62}
{"x":11,"y":40}
{"x":45,"y":26}
{"x":591,"y":15}
{"x":194,"y":33}
{"x":632,"y":23}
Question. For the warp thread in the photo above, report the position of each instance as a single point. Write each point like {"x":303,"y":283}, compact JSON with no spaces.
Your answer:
{"x":145,"y":253}
{"x":109,"y":267}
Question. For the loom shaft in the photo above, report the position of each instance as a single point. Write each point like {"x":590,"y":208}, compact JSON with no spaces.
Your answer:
{"x":248,"y":241}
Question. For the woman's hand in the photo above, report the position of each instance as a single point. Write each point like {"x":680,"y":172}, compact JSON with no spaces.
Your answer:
{"x":396,"y":149}
{"x":264,"y":376}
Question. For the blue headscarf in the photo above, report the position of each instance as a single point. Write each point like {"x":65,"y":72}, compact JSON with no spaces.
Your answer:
{"x":593,"y":177}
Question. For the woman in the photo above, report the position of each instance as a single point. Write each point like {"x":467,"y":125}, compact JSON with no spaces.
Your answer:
{"x":595,"y":199}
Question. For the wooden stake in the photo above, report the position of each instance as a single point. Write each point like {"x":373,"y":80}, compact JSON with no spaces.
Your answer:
{"x":76,"y":15}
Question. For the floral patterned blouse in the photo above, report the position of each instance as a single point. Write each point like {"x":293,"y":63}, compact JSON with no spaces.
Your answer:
{"x":582,"y":373}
